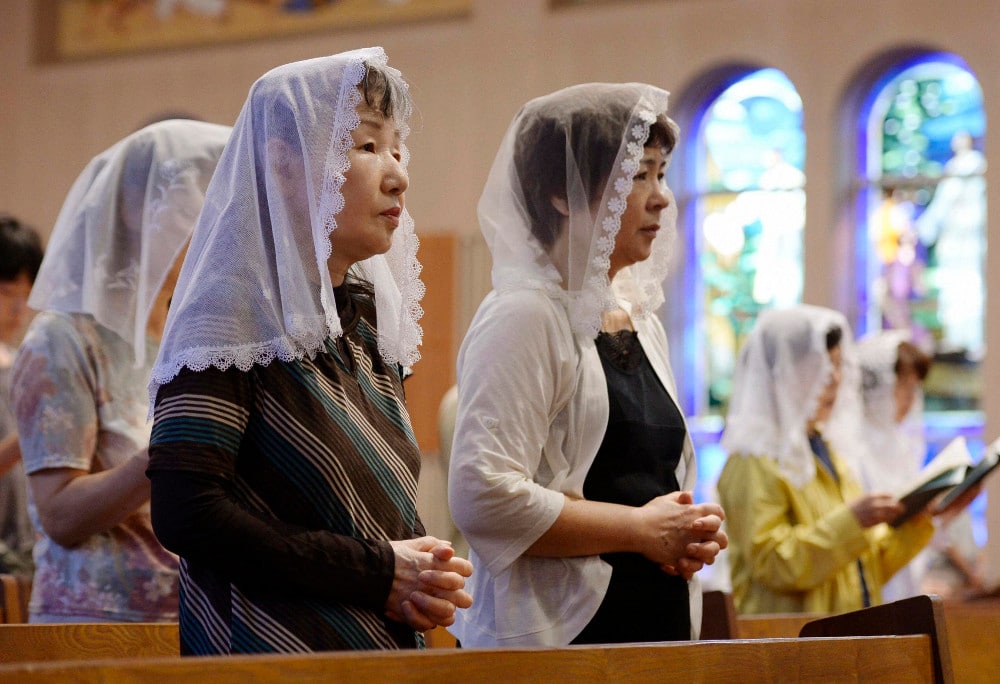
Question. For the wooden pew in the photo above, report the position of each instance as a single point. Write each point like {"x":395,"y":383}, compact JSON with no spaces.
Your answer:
{"x":718,"y":616}
{"x":718,"y":621}
{"x":773,"y":625}
{"x":868,"y":659}
{"x":922,"y":615}
{"x":14,"y":594}
{"x":972,"y":654}
{"x":87,"y":641}
{"x":973,"y":627}
{"x":439,"y":637}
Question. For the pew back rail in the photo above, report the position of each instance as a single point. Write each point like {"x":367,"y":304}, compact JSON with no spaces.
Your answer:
{"x":868,"y":659}
{"x":86,"y":641}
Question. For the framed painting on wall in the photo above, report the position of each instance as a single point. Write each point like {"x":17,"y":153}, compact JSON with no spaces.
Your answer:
{"x":74,"y":29}
{"x":579,"y":3}
{"x":570,"y":4}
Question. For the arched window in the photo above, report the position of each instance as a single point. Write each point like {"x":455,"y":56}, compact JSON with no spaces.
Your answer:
{"x":744,"y":204}
{"x":922,"y":218}
{"x":750,"y":211}
{"x":920,"y":240}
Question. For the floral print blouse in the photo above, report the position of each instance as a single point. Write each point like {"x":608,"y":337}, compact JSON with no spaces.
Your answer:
{"x":16,"y":533}
{"x":79,"y":403}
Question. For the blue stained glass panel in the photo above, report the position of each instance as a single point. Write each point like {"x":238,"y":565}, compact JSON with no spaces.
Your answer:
{"x":750,"y":214}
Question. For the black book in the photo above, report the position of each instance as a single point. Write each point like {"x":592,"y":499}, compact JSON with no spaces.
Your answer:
{"x":973,"y":476}
{"x":945,"y":471}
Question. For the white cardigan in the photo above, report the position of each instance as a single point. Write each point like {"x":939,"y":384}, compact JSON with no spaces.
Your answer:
{"x":532,"y":413}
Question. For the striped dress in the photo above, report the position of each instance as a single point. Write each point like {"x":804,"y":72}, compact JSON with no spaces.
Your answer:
{"x":280,"y":488}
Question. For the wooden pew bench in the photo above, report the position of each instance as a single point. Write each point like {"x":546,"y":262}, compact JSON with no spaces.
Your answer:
{"x":973,"y":627}
{"x":14,"y":594}
{"x":86,"y":641}
{"x":134,"y":652}
{"x":918,"y":615}
{"x":868,"y":659}
{"x":772,"y":626}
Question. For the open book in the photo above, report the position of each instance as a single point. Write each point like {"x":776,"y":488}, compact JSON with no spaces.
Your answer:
{"x":973,"y":476}
{"x":950,"y":472}
{"x":945,"y":471}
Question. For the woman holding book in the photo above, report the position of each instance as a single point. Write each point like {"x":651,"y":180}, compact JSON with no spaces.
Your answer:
{"x":893,"y":370}
{"x":803,"y":536}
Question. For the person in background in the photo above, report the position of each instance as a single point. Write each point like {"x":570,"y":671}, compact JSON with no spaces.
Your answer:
{"x":283,"y":463}
{"x":20,"y":257}
{"x":435,"y":474}
{"x":572,"y":467}
{"x":79,"y":379}
{"x":954,"y":568}
{"x":803,"y":535}
{"x":892,"y":370}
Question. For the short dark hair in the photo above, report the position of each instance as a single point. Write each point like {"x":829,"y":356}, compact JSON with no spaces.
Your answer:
{"x":797,"y":334}
{"x":20,"y":249}
{"x":384,"y":92}
{"x":833,"y":337}
{"x":911,"y":359}
{"x":540,"y":156}
{"x":381,"y":90}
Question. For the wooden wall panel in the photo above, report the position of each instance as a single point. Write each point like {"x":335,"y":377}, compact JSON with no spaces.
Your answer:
{"x":435,"y":372}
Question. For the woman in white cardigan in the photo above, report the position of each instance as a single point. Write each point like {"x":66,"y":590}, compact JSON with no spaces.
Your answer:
{"x":571,"y":467}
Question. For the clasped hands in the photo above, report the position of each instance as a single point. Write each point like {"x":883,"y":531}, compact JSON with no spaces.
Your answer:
{"x":680,"y":535}
{"x":428,"y":585}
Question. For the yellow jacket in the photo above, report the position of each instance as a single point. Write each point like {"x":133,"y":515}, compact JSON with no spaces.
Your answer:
{"x":795,"y":550}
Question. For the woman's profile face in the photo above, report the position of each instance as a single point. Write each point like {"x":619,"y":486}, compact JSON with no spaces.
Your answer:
{"x":373,"y":193}
{"x":828,"y":396}
{"x":158,"y":313}
{"x":14,"y":306}
{"x":905,"y":393}
{"x":640,"y":222}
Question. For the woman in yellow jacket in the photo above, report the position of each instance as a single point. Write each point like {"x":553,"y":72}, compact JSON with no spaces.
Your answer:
{"x":803,"y":536}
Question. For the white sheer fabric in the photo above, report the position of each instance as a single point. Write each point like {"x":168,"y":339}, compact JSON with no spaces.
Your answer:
{"x":123,"y":223}
{"x":780,"y":373}
{"x":895,"y":450}
{"x":255,"y":284}
{"x":575,"y":265}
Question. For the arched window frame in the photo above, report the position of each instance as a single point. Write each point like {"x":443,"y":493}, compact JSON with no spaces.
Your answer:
{"x":940,"y":427}
{"x":683,"y":314}
{"x":686,"y":176}
{"x":867,"y":182}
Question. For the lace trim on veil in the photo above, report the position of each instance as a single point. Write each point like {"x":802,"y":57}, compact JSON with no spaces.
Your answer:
{"x":597,"y":296}
{"x":755,"y":431}
{"x":394,"y":276}
{"x":331,"y":197}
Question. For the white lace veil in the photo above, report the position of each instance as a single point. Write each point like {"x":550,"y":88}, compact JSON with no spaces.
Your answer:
{"x":123,"y":223}
{"x":895,"y":450}
{"x":582,"y":144}
{"x":255,"y":284}
{"x":780,"y":373}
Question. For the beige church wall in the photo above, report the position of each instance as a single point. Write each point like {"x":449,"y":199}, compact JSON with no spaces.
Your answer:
{"x":469,"y":75}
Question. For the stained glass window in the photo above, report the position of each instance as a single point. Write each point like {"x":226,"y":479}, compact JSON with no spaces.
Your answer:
{"x":749,"y":213}
{"x":921,"y":240}
{"x":744,"y":208}
{"x":922,"y":211}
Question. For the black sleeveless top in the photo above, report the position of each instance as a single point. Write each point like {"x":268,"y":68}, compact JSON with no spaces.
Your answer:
{"x":641,"y":449}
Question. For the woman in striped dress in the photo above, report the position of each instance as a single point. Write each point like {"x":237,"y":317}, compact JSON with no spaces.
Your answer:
{"x":283,"y":464}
